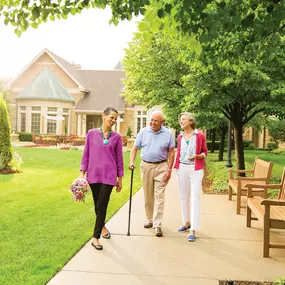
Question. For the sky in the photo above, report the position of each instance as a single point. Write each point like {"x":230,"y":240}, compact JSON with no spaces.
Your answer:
{"x":87,"y":39}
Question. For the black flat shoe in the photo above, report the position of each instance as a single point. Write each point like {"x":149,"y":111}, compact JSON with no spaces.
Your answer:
{"x":97,"y":246}
{"x":107,"y":236}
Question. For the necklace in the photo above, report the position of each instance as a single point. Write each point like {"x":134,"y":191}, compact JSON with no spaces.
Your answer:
{"x":105,"y":140}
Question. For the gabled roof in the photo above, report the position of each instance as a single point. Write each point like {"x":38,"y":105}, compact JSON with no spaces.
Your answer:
{"x":46,"y":87}
{"x":105,"y":88}
{"x":69,"y":68}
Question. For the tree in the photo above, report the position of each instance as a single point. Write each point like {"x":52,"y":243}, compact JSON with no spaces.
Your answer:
{"x":276,"y":129}
{"x":204,"y":20}
{"x":154,"y":76}
{"x":5,"y":138}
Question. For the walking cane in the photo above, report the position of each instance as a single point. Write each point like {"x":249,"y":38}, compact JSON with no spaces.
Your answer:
{"x":130,"y":203}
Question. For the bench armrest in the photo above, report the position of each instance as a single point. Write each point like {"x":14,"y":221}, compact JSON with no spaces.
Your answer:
{"x":251,"y":178}
{"x":273,"y":202}
{"x":231,"y":171}
{"x":264,"y":187}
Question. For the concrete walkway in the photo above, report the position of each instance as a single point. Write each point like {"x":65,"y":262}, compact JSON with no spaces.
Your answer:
{"x":224,"y":249}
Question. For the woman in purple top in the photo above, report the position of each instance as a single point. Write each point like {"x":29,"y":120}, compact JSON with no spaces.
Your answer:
{"x":102,"y":160}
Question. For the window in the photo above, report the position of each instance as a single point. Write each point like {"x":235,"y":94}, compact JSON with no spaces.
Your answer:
{"x":52,"y":109}
{"x":65,"y":122}
{"x":36,"y":123}
{"x":138,"y":124}
{"x":141,"y":120}
{"x":65,"y":110}
{"x":23,"y":108}
{"x":51,"y":125}
{"x":23,"y":122}
{"x":36,"y":109}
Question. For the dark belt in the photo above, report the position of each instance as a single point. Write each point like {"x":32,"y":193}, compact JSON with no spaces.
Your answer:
{"x":187,"y":163}
{"x":155,"y":162}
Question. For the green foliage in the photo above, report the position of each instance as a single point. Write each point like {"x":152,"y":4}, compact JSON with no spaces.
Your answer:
{"x":5,"y":138}
{"x":276,"y":129}
{"x":129,"y":132}
{"x":25,"y":137}
{"x":272,"y":145}
{"x":278,"y":151}
{"x":279,"y":281}
{"x":248,"y":144}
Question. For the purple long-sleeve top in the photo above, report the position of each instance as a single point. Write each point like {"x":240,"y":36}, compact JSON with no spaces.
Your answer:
{"x":102,"y":162}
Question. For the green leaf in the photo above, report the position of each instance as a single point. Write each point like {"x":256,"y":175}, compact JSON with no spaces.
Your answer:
{"x":143,"y":26}
{"x":52,"y":17}
{"x":248,"y":20}
{"x":73,"y":11}
{"x":154,"y":27}
{"x":34,"y":25}
{"x":147,"y":36}
{"x":18,"y":32}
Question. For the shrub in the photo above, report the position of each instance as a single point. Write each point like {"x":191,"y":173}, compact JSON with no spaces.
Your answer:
{"x":5,"y":138}
{"x":279,"y":281}
{"x":49,"y":139}
{"x":272,"y":145}
{"x":129,"y":132}
{"x":278,"y":151}
{"x":25,"y":137}
{"x":217,"y":145}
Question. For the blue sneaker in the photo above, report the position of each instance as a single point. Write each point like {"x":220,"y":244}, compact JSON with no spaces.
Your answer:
{"x":183,"y":229}
{"x":191,"y":238}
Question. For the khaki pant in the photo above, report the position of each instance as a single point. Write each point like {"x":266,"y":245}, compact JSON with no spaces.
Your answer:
{"x":154,"y":187}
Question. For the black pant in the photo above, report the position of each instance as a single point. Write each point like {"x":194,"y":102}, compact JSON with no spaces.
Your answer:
{"x":101,"y":196}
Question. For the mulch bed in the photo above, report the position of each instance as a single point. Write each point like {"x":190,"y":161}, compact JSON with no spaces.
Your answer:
{"x":207,"y":185}
{"x":238,"y":282}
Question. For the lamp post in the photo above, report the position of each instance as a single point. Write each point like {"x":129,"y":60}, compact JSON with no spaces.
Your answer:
{"x":229,"y":160}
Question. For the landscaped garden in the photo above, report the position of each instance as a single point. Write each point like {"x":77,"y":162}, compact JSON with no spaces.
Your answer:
{"x":41,"y":226}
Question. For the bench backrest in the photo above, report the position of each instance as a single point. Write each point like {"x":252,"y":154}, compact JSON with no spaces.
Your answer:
{"x":262,"y":169}
{"x":281,"y":195}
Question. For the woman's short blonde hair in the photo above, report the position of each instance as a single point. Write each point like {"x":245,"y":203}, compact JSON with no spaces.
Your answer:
{"x":190,"y":117}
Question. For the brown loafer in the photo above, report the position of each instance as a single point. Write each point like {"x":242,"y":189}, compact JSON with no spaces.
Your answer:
{"x":148,"y":225}
{"x":107,"y":236}
{"x":158,"y":232}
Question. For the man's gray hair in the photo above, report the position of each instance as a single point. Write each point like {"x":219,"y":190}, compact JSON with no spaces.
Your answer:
{"x":158,"y":112}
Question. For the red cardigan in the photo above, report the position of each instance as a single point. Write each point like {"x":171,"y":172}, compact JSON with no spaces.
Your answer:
{"x":201,"y":147}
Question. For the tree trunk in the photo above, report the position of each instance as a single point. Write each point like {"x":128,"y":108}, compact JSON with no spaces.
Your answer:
{"x":222,"y":142}
{"x":213,"y":140}
{"x":239,"y":152}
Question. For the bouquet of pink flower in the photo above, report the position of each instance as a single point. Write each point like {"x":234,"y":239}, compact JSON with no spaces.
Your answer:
{"x":79,"y":188}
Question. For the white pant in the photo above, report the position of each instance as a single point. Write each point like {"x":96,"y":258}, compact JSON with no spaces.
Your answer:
{"x":190,"y":186}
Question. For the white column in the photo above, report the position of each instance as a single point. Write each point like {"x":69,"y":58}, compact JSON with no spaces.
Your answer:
{"x":79,"y":123}
{"x":119,"y":120}
{"x":18,"y":127}
{"x":44,"y":114}
{"x":84,"y":123}
{"x":59,"y":122}
{"x":28,"y":119}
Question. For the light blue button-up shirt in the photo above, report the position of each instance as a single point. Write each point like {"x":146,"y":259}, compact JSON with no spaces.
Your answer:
{"x":154,"y":145}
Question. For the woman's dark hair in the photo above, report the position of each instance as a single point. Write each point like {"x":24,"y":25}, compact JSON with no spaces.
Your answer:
{"x":108,"y":110}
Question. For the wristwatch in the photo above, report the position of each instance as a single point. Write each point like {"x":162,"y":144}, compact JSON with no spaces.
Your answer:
{"x":168,"y":169}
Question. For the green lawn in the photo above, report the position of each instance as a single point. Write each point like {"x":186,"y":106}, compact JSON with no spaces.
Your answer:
{"x":41,"y":226}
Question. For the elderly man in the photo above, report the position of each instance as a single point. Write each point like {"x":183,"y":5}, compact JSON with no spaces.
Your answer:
{"x":157,"y":152}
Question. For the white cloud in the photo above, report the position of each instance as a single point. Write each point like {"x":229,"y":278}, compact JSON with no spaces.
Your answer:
{"x":87,"y":39}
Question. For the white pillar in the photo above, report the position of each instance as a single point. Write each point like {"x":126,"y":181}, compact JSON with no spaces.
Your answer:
{"x":84,"y":123}
{"x":44,"y":114}
{"x":79,"y":123}
{"x":28,"y":119}
{"x":59,"y":122}
{"x":119,"y":120}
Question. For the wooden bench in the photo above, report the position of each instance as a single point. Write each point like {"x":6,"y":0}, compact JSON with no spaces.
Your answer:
{"x":270,"y":212}
{"x":261,"y":173}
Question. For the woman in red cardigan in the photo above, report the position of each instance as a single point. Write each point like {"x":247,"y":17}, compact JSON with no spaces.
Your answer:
{"x":190,"y":164}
